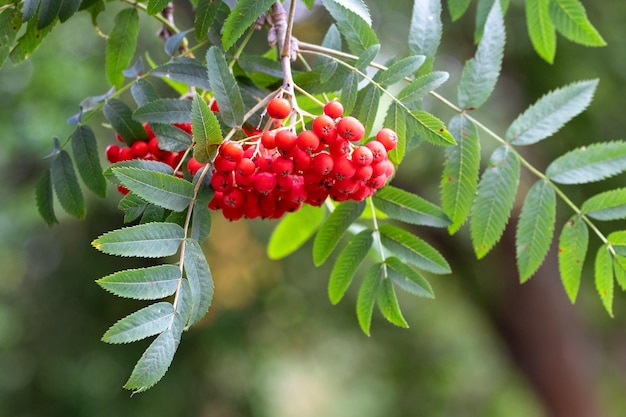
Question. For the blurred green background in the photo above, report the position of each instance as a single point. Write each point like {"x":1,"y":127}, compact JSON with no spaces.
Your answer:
{"x":272,"y":344}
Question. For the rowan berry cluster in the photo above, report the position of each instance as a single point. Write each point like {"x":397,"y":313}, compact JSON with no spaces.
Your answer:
{"x":275,"y":171}
{"x":145,"y":149}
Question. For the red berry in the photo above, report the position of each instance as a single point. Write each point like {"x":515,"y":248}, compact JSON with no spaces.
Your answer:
{"x":140,"y":148}
{"x":221,"y":182}
{"x":282,"y":166}
{"x":285,"y":140}
{"x":350,"y":129}
{"x":232,"y":214}
{"x":123,"y":190}
{"x":125,"y":154}
{"x":264,"y":182}
{"x":246,"y":167}
{"x":112,"y":153}
{"x":216,"y":202}
{"x":363,"y":173}
{"x":153,"y":147}
{"x":302,"y":161}
{"x":264,"y":163}
{"x":214,"y":107}
{"x":339,"y":148}
{"x":343,"y":168}
{"x":378,"y":150}
{"x":193,"y":166}
{"x":322,"y":164}
{"x":186,"y":126}
{"x":388,"y":138}
{"x":377,"y":182}
{"x":324,"y":128}
{"x":149,"y":131}
{"x":223,"y":165}
{"x":333,"y":109}
{"x":308,"y":141}
{"x":362,"y":155}
{"x":234,"y":198}
{"x":268,"y":139}
{"x":244,"y":180}
{"x":232,"y":151}
{"x":278,"y":108}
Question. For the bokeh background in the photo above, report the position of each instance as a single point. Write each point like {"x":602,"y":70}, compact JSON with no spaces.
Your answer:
{"x":272,"y":344}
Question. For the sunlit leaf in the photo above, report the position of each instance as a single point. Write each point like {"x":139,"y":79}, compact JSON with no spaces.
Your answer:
{"x":431,"y":128}
{"x":121,"y":45}
{"x":294,"y":230}
{"x":396,"y":120}
{"x":421,"y":86}
{"x":589,"y":164}
{"x":204,"y":17}
{"x":358,"y":33}
{"x":151,"y":283}
{"x":573,"y":243}
{"x":609,"y":205}
{"x":146,"y":322}
{"x":347,"y":263}
{"x":603,"y":272}
{"x":368,"y":293}
{"x":333,"y":228}
{"x":409,"y":208}
{"x":541,"y":29}
{"x":155,"y":6}
{"x":243,"y":15}
{"x":164,"y":190}
{"x":570,"y":19}
{"x":457,"y":8}
{"x":206,"y":130}
{"x":413,"y":250}
{"x":151,"y":240}
{"x":366,"y":107}
{"x":388,"y":304}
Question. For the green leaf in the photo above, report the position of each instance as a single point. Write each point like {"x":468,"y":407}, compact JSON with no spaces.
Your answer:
{"x":421,"y":86}
{"x":358,"y":7}
{"x":367,"y":57}
{"x":570,"y":19}
{"x":367,"y":296}
{"x":85,"y":150}
{"x":409,"y":208}
{"x":388,"y":304}
{"x":204,"y":17}
{"x":603,"y":272}
{"x":408,"y":279}
{"x":262,"y":64}
{"x":224,"y":86}
{"x":243,"y":15}
{"x":399,"y":70}
{"x":432,"y":129}
{"x":459,"y":181}
{"x":68,"y":8}
{"x":150,"y":283}
{"x":171,"y":138}
{"x":155,"y":6}
{"x":481,"y":73}
{"x":619,"y":268}
{"x":48,"y":11}
{"x":425,"y":29}
{"x":164,"y":110}
{"x":349,"y":92}
{"x":541,"y":29}
{"x":43,"y":194}
{"x":573,"y":243}
{"x":201,"y":217}
{"x":482,"y":12}
{"x":120,"y":116}
{"x":347,"y":263}
{"x":66,"y":185}
{"x":413,"y":250}
{"x":186,"y":70}
{"x":333,"y":229}
{"x":155,"y":361}
{"x":589,"y":164}
{"x":200,"y":280}
{"x":143,"y":92}
{"x":121,"y":45}
{"x":152,"y":213}
{"x":535,"y":228}
{"x":206,"y":130}
{"x":29,"y":41}
{"x":146,"y":322}
{"x":457,"y":8}
{"x":396,"y":120}
{"x":293,"y":230}
{"x":494,"y":201}
{"x":367,"y":106}
{"x":609,"y":205}
{"x":358,"y":33}
{"x":150,"y":240}
{"x":139,"y":164}
{"x":550,"y":113}
{"x":10,"y":24}
{"x":164,"y":190}
{"x":29,"y":9}
{"x":132,"y":206}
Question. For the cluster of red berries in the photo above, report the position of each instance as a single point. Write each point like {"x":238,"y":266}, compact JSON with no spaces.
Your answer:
{"x":276,"y":171}
{"x":145,"y":149}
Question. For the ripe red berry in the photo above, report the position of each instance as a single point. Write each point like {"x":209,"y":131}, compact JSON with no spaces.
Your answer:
{"x":378,"y":150}
{"x":387,"y":137}
{"x":343,"y":168}
{"x":268,"y":139}
{"x":193,"y":166}
{"x":221,"y":182}
{"x":153,"y":147}
{"x":333,"y":109}
{"x":302,"y":161}
{"x":125,"y":154}
{"x":350,"y":129}
{"x":282,"y":166}
{"x":123,"y":190}
{"x":324,"y":128}
{"x":223,"y":165}
{"x":246,"y":167}
{"x":140,"y":148}
{"x":279,"y":108}
{"x":233,"y":198}
{"x":112,"y":153}
{"x":322,"y":164}
{"x":340,"y":147}
{"x":285,"y":141}
{"x":214,"y":107}
{"x":362,"y":155}
{"x":232,"y":151}
{"x":308,"y":141}
{"x":264,"y":182}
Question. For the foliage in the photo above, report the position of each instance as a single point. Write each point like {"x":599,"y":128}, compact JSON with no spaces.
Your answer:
{"x":222,"y":99}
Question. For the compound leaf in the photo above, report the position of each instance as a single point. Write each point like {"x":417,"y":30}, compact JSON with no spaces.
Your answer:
{"x":603,"y":272}
{"x":85,"y":150}
{"x":358,"y":33}
{"x":121,"y":45}
{"x":413,"y":250}
{"x":333,"y":229}
{"x":494,"y":200}
{"x":347,"y":263}
{"x":589,"y":164}
{"x":294,"y":230}
{"x":409,"y":208}
{"x":408,"y":279}
{"x":149,"y":283}
{"x":66,"y":185}
{"x":550,"y":113}
{"x":481,"y":73}
{"x":200,"y":280}
{"x":460,"y":172}
{"x":224,"y":86}
{"x":573,"y":243}
{"x":367,"y":296}
{"x":164,"y":110}
{"x":609,"y":205}
{"x":146,"y":322}
{"x":150,"y":240}
{"x":164,"y":190}
{"x":535,"y":228}
{"x":388,"y":304}
{"x":541,"y":29}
